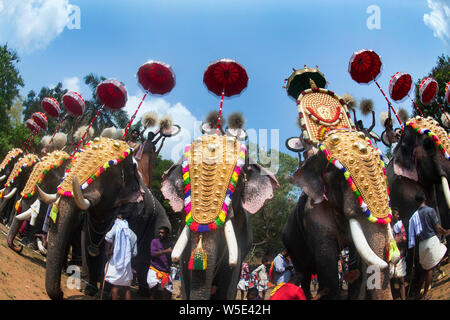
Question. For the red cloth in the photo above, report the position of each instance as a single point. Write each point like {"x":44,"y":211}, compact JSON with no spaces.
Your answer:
{"x":289,"y":291}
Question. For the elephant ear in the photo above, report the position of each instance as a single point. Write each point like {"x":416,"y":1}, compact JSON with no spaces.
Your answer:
{"x":172,"y":187}
{"x":308,"y":177}
{"x":259,"y":187}
{"x":404,"y":155}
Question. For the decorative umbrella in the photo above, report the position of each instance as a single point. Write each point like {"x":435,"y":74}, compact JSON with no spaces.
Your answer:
{"x":300,"y":81}
{"x":155,"y":77}
{"x":400,"y":86}
{"x":74,"y":103}
{"x":428,"y":91}
{"x":364,"y":67}
{"x":225,"y":78}
{"x":112,"y":94}
{"x":51,"y":107}
{"x":40,"y":119}
{"x":34,"y":128}
{"x":447,"y":92}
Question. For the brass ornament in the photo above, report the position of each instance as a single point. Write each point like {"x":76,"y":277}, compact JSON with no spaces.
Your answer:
{"x":11,"y":154}
{"x":94,"y":156}
{"x":432,"y":125}
{"x":212,"y":162}
{"x":26,"y":160}
{"x":364,"y":165}
{"x":50,"y":160}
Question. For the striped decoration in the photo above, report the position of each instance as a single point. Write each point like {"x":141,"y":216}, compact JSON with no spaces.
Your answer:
{"x":193,"y":225}
{"x":355,"y":189}
{"x":432,"y":135}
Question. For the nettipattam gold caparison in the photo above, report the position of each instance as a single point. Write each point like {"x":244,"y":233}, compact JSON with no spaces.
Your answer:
{"x":92,"y":160}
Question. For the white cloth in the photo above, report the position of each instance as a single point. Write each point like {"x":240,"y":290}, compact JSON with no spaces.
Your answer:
{"x":261,"y":272}
{"x":431,"y":251}
{"x":119,"y":268}
{"x":398,"y":270}
{"x":152,"y":280}
{"x":242,"y":285}
{"x":415,"y":228}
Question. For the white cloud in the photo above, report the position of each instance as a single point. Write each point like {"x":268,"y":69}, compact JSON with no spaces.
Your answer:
{"x":438,"y":19}
{"x":72,"y":84}
{"x":173,"y":148}
{"x":32,"y":24}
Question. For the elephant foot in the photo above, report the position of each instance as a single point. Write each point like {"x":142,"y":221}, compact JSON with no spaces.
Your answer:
{"x":90,"y":290}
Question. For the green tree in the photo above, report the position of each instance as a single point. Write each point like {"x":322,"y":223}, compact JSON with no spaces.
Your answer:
{"x":15,"y":113}
{"x":440,"y":73}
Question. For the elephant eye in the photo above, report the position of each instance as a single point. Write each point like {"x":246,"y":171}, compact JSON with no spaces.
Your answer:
{"x":428,"y":145}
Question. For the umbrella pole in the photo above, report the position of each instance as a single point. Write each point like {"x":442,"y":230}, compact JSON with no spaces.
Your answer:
{"x":134,"y":115}
{"x":442,"y":109}
{"x":389,"y":103}
{"x":220,"y":110}
{"x":90,"y":124}
{"x":417,"y":107}
{"x":56,"y":130}
{"x":26,"y":142}
{"x":31,"y":142}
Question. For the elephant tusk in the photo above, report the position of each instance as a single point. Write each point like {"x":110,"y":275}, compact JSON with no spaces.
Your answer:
{"x":3,"y":177}
{"x":11,"y":194}
{"x":232,"y":243}
{"x":180,"y":244}
{"x":80,"y":201}
{"x":446,"y":190}
{"x":363,"y":248}
{"x":47,"y":198}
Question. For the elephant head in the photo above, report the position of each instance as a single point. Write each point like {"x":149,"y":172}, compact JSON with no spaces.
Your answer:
{"x":15,"y":183}
{"x":8,"y":163}
{"x":420,"y":161}
{"x":217,"y":188}
{"x":46,"y":174}
{"x":99,"y":178}
{"x":345,"y":181}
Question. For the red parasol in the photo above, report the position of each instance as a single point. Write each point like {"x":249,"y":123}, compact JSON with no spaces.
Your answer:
{"x":447,"y":93}
{"x":112,"y":94}
{"x":41,"y":120}
{"x":155,"y":77}
{"x":428,"y":90}
{"x":400,"y":85}
{"x":74,"y":103}
{"x":225,"y":78}
{"x":34,"y":128}
{"x":51,"y":107}
{"x":364,"y":67}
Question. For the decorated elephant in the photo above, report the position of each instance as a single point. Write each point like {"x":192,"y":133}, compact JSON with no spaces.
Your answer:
{"x":101,"y":181}
{"x":8,"y":163}
{"x":345,"y":199}
{"x":217,"y":187}
{"x":14,"y":184}
{"x":46,"y":174}
{"x":420,"y":161}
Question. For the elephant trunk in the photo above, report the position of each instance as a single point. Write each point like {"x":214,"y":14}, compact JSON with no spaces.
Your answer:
{"x":446,"y":190}
{"x":12,"y":233}
{"x":59,"y":236}
{"x":201,"y":283}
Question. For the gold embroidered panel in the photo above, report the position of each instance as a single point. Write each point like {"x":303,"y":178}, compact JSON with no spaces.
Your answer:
{"x":25,"y":161}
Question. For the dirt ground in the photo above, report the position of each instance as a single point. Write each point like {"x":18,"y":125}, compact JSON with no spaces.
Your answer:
{"x":22,"y":277}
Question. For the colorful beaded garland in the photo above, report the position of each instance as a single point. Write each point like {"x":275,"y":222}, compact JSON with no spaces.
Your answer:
{"x":220,"y":220}
{"x":20,"y":171}
{"x":432,"y":135}
{"x":355,"y":189}
{"x":18,"y":153}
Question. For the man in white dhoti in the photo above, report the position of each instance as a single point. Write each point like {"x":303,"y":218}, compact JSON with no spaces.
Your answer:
{"x":120,"y":248}
{"x":424,"y":224}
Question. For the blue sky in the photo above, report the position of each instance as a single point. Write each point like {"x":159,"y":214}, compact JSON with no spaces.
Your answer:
{"x":268,"y":37}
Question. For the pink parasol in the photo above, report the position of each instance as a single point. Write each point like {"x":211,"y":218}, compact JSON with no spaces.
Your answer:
{"x":447,"y":93}
{"x":364,"y":67}
{"x":51,"y":107}
{"x":155,"y":77}
{"x":34,"y":128}
{"x":225,"y":78}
